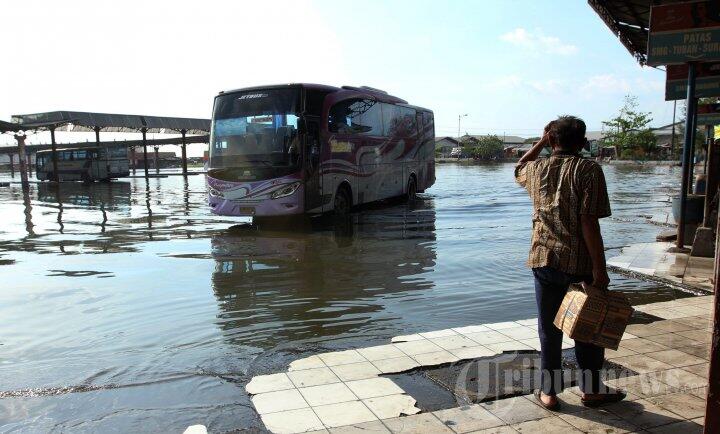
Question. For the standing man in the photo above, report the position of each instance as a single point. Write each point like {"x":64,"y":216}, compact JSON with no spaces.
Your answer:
{"x":569,"y":196}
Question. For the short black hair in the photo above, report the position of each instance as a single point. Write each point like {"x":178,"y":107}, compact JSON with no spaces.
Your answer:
{"x":568,"y":132}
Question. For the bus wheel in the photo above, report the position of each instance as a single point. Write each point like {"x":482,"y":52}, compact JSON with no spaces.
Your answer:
{"x":411,"y":190}
{"x":342,"y":202}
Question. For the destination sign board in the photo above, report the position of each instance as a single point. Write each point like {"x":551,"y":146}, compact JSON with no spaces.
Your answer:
{"x":684,"y":32}
{"x":707,"y":81}
{"x":708,"y":114}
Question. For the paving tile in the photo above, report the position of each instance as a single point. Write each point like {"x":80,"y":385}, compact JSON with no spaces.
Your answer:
{"x":571,"y":402}
{"x":389,"y":406}
{"x":668,"y":314}
{"x":344,"y":413}
{"x":642,"y":386}
{"x":488,"y":337}
{"x":503,"y":429}
{"x":642,"y":364}
{"x":509,"y":346}
{"x":475,"y":352}
{"x":682,"y":379}
{"x":643,"y":330}
{"x":417,"y":347}
{"x":700,"y":369}
{"x":515,"y":410}
{"x":671,"y":340}
{"x":438,"y":333}
{"x":454,"y":342}
{"x":597,"y":421}
{"x":546,"y":425}
{"x":373,"y":387}
{"x":641,"y":345}
{"x":292,"y":421}
{"x":407,"y":338}
{"x":327,"y":394}
{"x":642,"y":413}
{"x":374,"y":427}
{"x":397,"y":364}
{"x":675,"y":358}
{"x":341,"y":357}
{"x":468,"y":418}
{"x":471,"y":329}
{"x":435,"y":358}
{"x":356,"y":371}
{"x":423,"y":423}
{"x":282,"y":400}
{"x":697,"y":335}
{"x":620,"y":352}
{"x":306,"y":363}
{"x":380,"y":352}
{"x":670,"y":326}
{"x":268,"y":383}
{"x":313,"y":377}
{"x":518,"y":333}
{"x":700,"y":392}
{"x":502,"y":325}
{"x":685,"y":405}
{"x":685,"y":427}
{"x":533,"y":343}
{"x":528,"y":322}
{"x":627,"y":335}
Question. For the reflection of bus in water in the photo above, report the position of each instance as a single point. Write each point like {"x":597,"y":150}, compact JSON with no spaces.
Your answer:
{"x":84,"y":164}
{"x":300,"y":148}
{"x":104,"y":195}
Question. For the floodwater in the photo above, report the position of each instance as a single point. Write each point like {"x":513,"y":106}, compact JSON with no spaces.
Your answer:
{"x":128,"y":307}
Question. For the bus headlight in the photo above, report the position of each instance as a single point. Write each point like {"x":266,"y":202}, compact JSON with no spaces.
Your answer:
{"x":285,"y":190}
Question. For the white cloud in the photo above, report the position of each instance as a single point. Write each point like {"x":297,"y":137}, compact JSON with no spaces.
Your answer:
{"x":605,"y":83}
{"x":538,"y":41}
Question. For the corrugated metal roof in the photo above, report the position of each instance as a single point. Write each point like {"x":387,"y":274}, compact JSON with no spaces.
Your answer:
{"x":86,"y":121}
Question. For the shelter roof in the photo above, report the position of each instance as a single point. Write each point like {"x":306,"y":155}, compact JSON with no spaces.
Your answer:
{"x":86,"y":121}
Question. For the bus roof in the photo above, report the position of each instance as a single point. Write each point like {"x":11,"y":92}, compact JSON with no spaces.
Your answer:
{"x":377,"y":93}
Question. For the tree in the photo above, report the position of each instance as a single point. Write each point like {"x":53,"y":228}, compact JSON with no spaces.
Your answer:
{"x":629,"y":131}
{"x":489,"y":146}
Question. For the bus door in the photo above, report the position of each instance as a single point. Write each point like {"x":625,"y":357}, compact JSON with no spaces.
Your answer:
{"x":311,"y":166}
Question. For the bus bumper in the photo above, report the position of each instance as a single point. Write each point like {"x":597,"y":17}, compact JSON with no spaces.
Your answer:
{"x":290,"y":205}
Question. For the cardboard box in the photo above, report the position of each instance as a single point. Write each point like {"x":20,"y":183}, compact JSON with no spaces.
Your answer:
{"x":594,"y":316}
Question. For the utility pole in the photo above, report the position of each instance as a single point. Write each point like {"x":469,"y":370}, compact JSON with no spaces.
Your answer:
{"x":460,"y":117}
{"x":672,"y":140}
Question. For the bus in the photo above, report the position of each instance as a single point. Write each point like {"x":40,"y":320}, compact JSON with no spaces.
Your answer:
{"x":311,"y":149}
{"x":84,"y":164}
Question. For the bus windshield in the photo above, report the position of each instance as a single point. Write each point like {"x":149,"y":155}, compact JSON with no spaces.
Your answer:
{"x":256,"y":128}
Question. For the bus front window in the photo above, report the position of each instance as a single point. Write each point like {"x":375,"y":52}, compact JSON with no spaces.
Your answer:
{"x":256,"y":129}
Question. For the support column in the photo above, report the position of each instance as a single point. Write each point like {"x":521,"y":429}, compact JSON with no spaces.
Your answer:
{"x":133,"y":158}
{"x":689,"y":123}
{"x":691,"y":173}
{"x":157,"y":159}
{"x":12,"y":164}
{"x":712,"y":404}
{"x":183,"y":147}
{"x":144,"y":141}
{"x":22,"y":156}
{"x":56,"y":176}
{"x":97,"y":136}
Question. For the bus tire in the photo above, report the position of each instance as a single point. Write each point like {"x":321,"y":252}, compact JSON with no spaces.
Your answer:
{"x":411,"y":194}
{"x":343,"y":202}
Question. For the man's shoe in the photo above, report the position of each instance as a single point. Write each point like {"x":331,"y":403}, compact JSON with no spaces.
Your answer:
{"x":552,"y":407}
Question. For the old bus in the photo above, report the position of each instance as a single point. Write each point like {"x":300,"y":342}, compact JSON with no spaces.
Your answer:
{"x":305,"y":148}
{"x":84,"y":164}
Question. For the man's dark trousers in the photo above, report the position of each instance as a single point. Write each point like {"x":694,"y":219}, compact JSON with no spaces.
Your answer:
{"x":551,"y":285}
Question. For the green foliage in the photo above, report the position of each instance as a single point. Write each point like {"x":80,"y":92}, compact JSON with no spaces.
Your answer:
{"x":629,"y":131}
{"x":482,"y":147}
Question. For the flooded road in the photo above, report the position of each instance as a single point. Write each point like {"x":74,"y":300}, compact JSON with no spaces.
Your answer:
{"x":129,"y":307}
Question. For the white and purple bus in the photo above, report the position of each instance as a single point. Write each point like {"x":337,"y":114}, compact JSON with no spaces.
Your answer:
{"x":309,"y":149}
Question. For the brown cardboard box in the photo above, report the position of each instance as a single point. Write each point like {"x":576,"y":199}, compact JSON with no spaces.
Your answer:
{"x":591,"y":315}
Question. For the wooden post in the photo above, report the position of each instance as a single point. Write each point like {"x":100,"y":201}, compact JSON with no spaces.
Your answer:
{"x":184,"y":153}
{"x":712,"y":406}
{"x":12,"y":164}
{"x":157,"y":159}
{"x":56,"y":176}
{"x":711,"y":179}
{"x":144,"y":140}
{"x":691,"y":103}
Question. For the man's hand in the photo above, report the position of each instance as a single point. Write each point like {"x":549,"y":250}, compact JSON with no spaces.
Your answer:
{"x":601,"y":280}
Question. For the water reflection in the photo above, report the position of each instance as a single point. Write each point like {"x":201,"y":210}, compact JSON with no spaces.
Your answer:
{"x":323,"y":279}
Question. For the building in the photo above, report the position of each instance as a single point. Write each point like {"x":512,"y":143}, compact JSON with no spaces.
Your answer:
{"x":445,"y":145}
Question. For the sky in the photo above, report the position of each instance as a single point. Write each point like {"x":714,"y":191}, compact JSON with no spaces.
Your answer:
{"x":510,"y":65}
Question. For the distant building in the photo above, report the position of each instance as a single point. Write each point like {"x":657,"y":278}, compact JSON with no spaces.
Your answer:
{"x":445,"y":145}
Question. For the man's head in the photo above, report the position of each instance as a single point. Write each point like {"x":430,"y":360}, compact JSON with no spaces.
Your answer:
{"x":567,"y":133}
